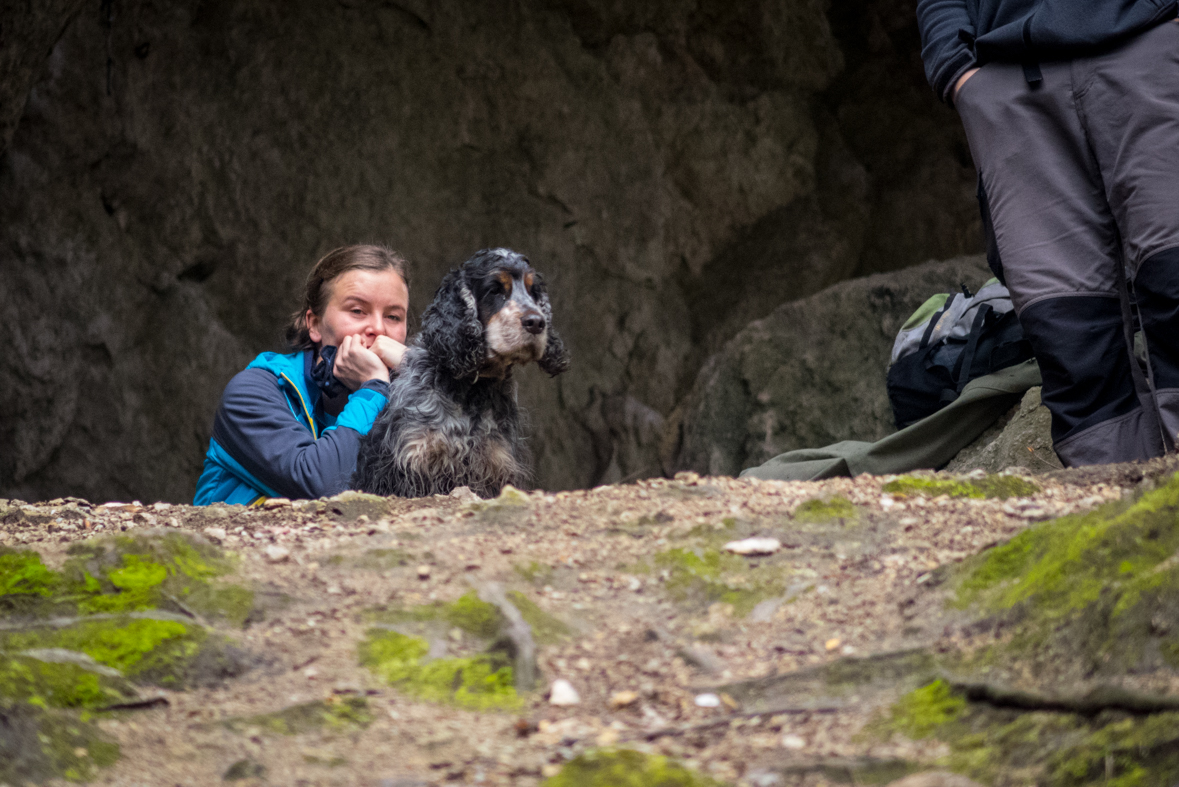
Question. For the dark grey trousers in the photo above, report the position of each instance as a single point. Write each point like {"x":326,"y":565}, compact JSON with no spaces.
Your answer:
{"x":1079,"y":185}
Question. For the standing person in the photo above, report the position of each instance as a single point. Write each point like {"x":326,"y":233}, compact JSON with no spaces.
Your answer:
{"x":1071,"y":110}
{"x":290,"y":425}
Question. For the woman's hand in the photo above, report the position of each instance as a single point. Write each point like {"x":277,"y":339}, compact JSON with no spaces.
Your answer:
{"x":356,"y":365}
{"x":389,"y":350}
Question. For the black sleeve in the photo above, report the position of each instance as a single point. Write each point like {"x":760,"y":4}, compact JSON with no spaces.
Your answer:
{"x":256,"y":427}
{"x":945,"y":54}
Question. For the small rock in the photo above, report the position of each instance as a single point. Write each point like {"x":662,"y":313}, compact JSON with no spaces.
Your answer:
{"x":277,"y":554}
{"x":793,"y":742}
{"x":622,"y":699}
{"x":754,"y":546}
{"x":216,"y":534}
{"x":276,"y":502}
{"x":707,"y":701}
{"x":832,"y":644}
{"x":563,"y":693}
{"x":423,"y":572}
{"x":464,"y":494}
{"x":607,"y":737}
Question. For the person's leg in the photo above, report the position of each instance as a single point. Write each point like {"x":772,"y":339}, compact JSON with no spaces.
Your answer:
{"x":1058,"y":246}
{"x":1130,"y":102}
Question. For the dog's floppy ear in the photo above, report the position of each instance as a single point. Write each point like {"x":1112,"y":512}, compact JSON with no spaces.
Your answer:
{"x":451,"y":331}
{"x":556,"y":358}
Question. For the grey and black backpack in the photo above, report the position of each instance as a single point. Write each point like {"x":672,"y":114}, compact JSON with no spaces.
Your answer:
{"x":949,"y":341}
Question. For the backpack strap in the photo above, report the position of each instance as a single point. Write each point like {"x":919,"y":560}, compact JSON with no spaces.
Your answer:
{"x":967,"y":358}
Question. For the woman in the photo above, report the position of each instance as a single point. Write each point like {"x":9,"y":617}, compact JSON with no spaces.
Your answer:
{"x":290,"y":425}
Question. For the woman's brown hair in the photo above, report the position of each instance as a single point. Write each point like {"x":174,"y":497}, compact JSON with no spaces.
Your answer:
{"x":317,"y":291}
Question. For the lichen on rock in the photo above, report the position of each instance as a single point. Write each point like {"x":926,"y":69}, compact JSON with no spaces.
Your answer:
{"x":626,"y":768}
{"x":1105,"y":581}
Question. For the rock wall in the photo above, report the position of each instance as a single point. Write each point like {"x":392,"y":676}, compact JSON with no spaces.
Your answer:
{"x":675,"y":169}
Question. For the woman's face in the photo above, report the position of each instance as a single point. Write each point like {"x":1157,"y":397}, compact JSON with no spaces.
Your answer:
{"x":365,"y":302}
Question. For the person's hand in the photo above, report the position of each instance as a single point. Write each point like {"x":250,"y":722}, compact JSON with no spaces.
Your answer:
{"x":962,"y":81}
{"x":389,"y":350}
{"x":356,"y":365}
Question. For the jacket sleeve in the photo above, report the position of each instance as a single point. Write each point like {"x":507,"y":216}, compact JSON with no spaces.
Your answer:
{"x":256,"y":427}
{"x":945,"y":54}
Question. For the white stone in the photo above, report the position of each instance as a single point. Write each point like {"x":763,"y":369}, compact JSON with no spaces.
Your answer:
{"x":707,"y":701}
{"x":277,"y":554}
{"x":754,"y":546}
{"x":563,"y":693}
{"x":215,"y":533}
{"x":793,"y":742}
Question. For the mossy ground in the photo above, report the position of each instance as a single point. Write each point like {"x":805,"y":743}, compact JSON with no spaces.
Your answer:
{"x":480,"y":682}
{"x":1008,"y":747}
{"x":477,"y":617}
{"x":125,"y":608}
{"x":334,"y":714}
{"x":626,"y":768}
{"x":59,"y":684}
{"x":999,"y":487}
{"x":1104,"y":581}
{"x":39,"y":744}
{"x":709,"y":576}
{"x":821,"y":510}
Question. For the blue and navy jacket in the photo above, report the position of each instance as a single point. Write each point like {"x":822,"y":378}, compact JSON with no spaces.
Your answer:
{"x":271,"y":437}
{"x":957,"y":35}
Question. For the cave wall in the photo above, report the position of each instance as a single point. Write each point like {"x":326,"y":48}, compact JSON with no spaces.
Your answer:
{"x":676,"y":169}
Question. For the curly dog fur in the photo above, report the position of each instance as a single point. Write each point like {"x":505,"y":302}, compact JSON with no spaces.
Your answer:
{"x":452,"y":418}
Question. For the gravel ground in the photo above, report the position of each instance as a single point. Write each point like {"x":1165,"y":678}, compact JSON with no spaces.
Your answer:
{"x":639,"y":655}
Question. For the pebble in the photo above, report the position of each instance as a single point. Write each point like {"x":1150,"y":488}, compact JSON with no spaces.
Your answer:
{"x":215,"y":533}
{"x":754,"y":546}
{"x":793,"y":742}
{"x":707,"y":701}
{"x":277,"y":554}
{"x":563,"y":693}
{"x":423,"y":572}
{"x":276,"y":502}
{"x":621,"y":699}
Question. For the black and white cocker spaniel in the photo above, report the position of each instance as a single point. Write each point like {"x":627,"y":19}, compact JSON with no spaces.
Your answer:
{"x":452,"y":419}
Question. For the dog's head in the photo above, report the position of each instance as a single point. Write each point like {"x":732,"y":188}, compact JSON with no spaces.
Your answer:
{"x":491,"y":314}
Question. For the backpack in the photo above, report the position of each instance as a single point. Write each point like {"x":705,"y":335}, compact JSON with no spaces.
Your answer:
{"x":949,"y":341}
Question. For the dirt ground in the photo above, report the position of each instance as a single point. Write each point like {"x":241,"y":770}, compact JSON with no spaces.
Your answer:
{"x":640,"y":653}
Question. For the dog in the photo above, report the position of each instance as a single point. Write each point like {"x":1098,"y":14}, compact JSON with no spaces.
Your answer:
{"x":451,"y":419}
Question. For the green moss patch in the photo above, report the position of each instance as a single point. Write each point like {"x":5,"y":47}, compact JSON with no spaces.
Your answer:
{"x":998,"y":487}
{"x":482,"y":682}
{"x":709,"y":575}
{"x":998,"y":746}
{"x":626,"y":768}
{"x":153,"y":648}
{"x":477,"y":617}
{"x":820,"y":510}
{"x":337,"y":714}
{"x":1104,"y":586}
{"x":169,"y":571}
{"x":54,"y":679}
{"x":38,"y":744}
{"x":534,"y":572}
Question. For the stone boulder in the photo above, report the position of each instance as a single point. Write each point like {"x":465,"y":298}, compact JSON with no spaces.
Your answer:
{"x":1021,"y":439}
{"x":810,"y":374}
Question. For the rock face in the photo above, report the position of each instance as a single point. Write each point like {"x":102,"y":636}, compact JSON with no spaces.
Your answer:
{"x":676,"y":169}
{"x":810,"y":374}
{"x":1021,"y":439}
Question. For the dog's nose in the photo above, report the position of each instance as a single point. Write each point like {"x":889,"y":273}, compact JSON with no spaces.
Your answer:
{"x":533,"y":323}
